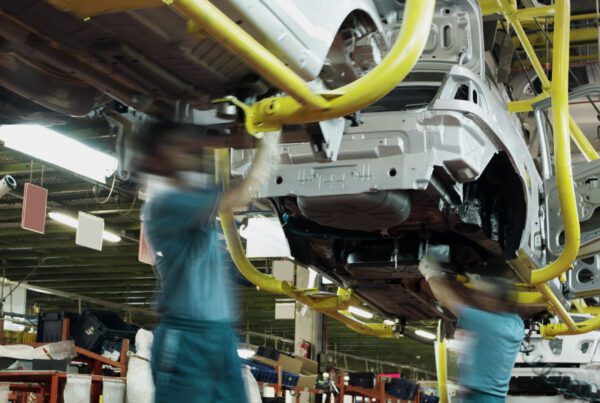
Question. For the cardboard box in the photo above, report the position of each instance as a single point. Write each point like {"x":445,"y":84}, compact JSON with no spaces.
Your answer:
{"x":307,"y":381}
{"x":309,"y":367}
{"x":286,"y":363}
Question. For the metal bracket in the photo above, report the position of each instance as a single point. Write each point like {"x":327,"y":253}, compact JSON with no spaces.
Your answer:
{"x":326,"y":137}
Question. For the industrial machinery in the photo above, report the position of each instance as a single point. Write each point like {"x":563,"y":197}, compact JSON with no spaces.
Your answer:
{"x":403,"y":132}
{"x":556,"y":370}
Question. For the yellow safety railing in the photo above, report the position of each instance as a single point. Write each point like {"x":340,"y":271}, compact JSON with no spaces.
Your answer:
{"x":335,"y":306}
{"x":564,"y":128}
{"x":332,"y":306}
{"x":301,"y":105}
{"x":558,"y":90}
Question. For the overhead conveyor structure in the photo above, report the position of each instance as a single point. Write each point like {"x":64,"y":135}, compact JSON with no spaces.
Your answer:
{"x":272,"y":113}
{"x":299,"y":103}
{"x":300,"y":107}
{"x":564,"y":128}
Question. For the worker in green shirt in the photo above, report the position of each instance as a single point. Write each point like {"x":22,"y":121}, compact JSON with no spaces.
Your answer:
{"x":491,"y":325}
{"x":194,"y":356}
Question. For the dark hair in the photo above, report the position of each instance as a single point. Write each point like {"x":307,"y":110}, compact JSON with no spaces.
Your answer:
{"x":150,"y":134}
{"x":503,"y":290}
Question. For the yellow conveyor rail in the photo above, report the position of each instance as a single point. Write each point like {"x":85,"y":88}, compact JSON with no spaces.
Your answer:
{"x":302,"y":105}
{"x":563,"y":126}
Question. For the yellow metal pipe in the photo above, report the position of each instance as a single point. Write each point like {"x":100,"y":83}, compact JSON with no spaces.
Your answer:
{"x":535,"y":12}
{"x":234,"y":244}
{"x":592,"y":58}
{"x":510,"y":12}
{"x":334,"y":306}
{"x":274,"y":112}
{"x":524,"y":295}
{"x":582,"y":141}
{"x":229,"y":34}
{"x":526,"y":105}
{"x":562,"y":149}
{"x":578,"y":36}
{"x":441,"y":358}
{"x":576,"y":17}
{"x":330,"y":307}
{"x":489,"y":7}
{"x":558,"y":308}
{"x":561,"y":329}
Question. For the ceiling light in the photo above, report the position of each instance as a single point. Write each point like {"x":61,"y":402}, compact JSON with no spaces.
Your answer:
{"x":245,"y":353}
{"x":48,"y":145}
{"x":110,"y":236}
{"x":63,"y":219}
{"x":425,"y":334}
{"x":360,"y":312}
{"x":73,"y":222}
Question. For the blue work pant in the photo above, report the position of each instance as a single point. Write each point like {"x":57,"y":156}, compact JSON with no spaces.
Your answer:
{"x":196,"y":362}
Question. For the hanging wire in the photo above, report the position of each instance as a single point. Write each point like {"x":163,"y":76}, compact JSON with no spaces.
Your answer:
{"x":545,"y":113}
{"x":112,"y":187}
{"x":137,"y":191}
{"x":571,"y":73}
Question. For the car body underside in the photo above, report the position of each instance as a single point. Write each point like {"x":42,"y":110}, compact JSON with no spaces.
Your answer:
{"x":438,"y":166}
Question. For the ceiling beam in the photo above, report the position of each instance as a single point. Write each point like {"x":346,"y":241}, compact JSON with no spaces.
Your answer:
{"x":79,"y":297}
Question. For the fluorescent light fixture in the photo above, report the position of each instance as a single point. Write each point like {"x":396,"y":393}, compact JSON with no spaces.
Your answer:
{"x":245,"y":353}
{"x":72,"y":222}
{"x":48,"y":145}
{"x":425,"y":334}
{"x":360,"y":312}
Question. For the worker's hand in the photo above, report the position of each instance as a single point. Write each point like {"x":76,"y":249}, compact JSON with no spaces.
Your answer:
{"x":430,"y":268}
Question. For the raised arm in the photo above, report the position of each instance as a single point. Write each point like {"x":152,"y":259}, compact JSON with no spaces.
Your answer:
{"x":441,"y":287}
{"x":266,"y":158}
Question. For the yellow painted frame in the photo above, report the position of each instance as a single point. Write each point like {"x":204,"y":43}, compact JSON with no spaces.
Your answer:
{"x":564,"y":128}
{"x":302,"y":105}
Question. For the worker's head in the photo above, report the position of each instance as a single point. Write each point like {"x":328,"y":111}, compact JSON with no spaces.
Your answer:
{"x":494,"y":294}
{"x":165,"y":148}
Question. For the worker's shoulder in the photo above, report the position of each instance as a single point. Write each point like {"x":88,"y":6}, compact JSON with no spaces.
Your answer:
{"x":480,"y":315}
{"x":181,"y":198}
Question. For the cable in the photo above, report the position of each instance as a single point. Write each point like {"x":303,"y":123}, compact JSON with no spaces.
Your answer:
{"x":571,"y":73}
{"x":529,"y":80}
{"x":112,"y":187}
{"x":137,"y":191}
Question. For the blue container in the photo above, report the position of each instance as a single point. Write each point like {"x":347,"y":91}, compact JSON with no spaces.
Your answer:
{"x":402,"y":388}
{"x":264,"y":373}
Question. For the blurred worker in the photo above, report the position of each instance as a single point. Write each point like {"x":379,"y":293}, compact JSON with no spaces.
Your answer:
{"x":494,"y":331}
{"x":194,"y":356}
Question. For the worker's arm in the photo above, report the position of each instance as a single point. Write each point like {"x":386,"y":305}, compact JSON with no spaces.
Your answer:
{"x":265,"y":159}
{"x":441,"y":287}
{"x":443,"y":290}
